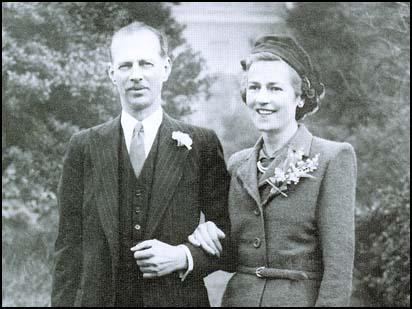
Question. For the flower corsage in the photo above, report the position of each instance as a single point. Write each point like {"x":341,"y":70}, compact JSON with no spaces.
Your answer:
{"x":291,"y":171}
{"x":182,"y":139}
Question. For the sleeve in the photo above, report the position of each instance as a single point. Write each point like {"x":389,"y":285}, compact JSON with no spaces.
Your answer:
{"x":214,"y":187}
{"x":68,"y":246}
{"x":184,"y":273}
{"x":337,"y":228}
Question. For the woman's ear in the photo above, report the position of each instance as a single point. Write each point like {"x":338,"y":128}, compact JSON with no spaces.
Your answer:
{"x":301,"y":101}
{"x":243,"y":94}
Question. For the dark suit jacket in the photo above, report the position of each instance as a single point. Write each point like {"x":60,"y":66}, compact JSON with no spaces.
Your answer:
{"x":185,"y":183}
{"x":310,"y":230}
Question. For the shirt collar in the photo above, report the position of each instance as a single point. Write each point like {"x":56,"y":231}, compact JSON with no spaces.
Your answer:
{"x":150,"y":124}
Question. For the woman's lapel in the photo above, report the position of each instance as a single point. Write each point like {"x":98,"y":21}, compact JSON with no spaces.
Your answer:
{"x":247,"y":172}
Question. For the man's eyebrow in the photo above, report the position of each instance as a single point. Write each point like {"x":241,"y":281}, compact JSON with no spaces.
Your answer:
{"x":146,"y":60}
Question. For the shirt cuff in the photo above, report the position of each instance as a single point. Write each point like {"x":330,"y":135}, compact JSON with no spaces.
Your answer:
{"x":183,"y":274}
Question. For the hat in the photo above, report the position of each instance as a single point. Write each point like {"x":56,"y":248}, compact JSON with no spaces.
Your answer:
{"x":293,"y":54}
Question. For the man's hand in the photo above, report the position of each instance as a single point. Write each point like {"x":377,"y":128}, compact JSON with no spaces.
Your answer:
{"x":207,"y":235}
{"x":156,"y":258}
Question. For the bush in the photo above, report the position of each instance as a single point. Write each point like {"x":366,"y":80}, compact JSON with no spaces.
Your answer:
{"x":383,"y":252}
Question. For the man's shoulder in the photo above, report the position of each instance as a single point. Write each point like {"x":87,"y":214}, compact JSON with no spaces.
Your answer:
{"x":195,"y":132}
{"x":84,"y":134}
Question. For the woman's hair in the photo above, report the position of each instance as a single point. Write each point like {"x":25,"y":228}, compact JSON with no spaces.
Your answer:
{"x":301,"y":85}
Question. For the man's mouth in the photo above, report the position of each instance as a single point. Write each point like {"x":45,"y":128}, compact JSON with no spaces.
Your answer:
{"x":265,"y":112}
{"x":137,"y":88}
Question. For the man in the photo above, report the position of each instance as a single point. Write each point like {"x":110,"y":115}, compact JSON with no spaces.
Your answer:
{"x":132,"y":190}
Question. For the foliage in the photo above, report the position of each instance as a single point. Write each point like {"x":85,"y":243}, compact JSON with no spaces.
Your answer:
{"x":363,"y":54}
{"x":383,"y":251}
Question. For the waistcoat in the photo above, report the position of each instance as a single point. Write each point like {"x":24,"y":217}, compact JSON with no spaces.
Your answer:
{"x":134,"y":201}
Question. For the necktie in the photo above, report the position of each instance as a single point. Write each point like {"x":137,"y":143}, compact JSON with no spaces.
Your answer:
{"x":137,"y":153}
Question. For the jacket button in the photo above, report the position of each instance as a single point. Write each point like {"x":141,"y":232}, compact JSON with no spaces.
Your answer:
{"x":138,"y":210}
{"x":138,"y":192}
{"x":137,"y":227}
{"x":256,"y":242}
{"x":256,"y":212}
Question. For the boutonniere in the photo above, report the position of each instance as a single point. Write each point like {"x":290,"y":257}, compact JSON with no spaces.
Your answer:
{"x":290,"y":172}
{"x":182,"y":139}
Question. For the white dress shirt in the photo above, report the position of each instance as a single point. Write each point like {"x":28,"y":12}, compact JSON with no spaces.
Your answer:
{"x":151,"y":125}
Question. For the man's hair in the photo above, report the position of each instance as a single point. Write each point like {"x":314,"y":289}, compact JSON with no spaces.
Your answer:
{"x":137,"y":26}
{"x":311,"y":105}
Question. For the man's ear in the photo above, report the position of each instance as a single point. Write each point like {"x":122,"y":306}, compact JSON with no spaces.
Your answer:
{"x":167,"y":68}
{"x":110,"y":71}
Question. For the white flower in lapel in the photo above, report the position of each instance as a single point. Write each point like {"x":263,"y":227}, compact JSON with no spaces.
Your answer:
{"x":182,"y":139}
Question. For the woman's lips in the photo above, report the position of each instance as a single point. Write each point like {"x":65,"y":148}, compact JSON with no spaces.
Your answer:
{"x":265,"y":112}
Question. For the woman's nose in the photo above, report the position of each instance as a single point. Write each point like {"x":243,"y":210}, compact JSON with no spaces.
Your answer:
{"x":262,"y":97}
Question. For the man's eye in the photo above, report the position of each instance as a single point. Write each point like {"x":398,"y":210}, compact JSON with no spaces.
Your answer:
{"x":124,"y":66}
{"x":275,"y":89}
{"x":253,"y":87}
{"x":147,"y":64}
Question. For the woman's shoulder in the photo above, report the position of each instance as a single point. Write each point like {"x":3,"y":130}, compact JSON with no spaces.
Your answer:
{"x":238,"y":158}
{"x":331,"y":149}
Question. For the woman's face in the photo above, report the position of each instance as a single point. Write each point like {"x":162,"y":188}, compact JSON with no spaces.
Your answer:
{"x":270,"y":96}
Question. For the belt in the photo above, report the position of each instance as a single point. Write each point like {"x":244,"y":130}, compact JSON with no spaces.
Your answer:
{"x":276,"y":273}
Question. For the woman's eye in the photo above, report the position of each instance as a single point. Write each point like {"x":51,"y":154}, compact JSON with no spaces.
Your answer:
{"x":253,"y":87}
{"x":147,"y":64}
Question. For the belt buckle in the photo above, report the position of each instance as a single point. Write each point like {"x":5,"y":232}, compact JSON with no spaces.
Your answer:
{"x":258,"y":270}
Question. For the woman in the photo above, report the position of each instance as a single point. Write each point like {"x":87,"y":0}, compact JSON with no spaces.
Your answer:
{"x":292,"y":195}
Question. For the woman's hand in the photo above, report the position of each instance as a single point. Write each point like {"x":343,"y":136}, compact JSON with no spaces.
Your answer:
{"x":207,"y":235}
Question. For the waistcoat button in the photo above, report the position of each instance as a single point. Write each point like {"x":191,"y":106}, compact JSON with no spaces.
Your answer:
{"x":256,"y":242}
{"x":137,"y":227}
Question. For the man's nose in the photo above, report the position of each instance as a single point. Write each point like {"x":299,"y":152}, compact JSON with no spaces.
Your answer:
{"x":136,"y":74}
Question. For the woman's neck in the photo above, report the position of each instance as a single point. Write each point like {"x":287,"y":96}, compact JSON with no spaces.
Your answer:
{"x":274,"y":140}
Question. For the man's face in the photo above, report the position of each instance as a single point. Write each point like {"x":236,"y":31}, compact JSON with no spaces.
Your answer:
{"x":270,"y":95}
{"x":138,"y":70}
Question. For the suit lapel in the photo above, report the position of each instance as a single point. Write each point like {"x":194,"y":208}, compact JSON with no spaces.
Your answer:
{"x":247,"y":172}
{"x":167,"y":173}
{"x":104,"y":150}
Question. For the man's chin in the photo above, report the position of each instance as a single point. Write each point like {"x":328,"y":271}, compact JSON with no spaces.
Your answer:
{"x":139,"y":104}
